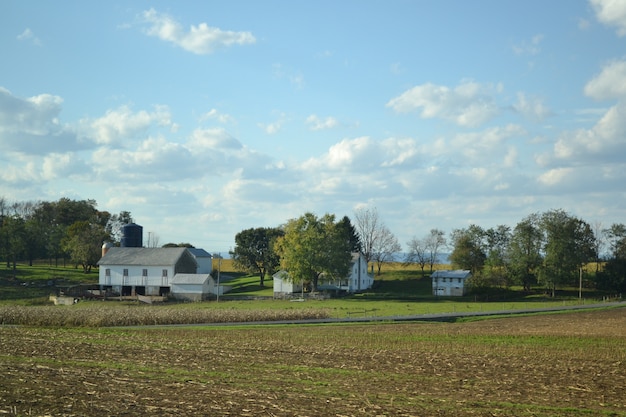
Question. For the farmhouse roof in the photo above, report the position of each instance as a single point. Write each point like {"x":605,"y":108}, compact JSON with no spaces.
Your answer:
{"x":197,"y":279}
{"x":142,"y":256}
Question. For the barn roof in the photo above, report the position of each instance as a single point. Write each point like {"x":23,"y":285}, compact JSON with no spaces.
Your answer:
{"x":458,"y":273}
{"x":142,"y":256}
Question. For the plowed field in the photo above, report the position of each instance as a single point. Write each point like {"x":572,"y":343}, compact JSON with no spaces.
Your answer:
{"x":552,"y":365}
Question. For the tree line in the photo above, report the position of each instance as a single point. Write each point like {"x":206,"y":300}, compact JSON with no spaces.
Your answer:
{"x":63,"y":230}
{"x":552,"y":249}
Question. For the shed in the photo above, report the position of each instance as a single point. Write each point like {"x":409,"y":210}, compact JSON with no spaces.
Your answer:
{"x":191,"y":287}
{"x":450,"y":283}
{"x":284,"y":285}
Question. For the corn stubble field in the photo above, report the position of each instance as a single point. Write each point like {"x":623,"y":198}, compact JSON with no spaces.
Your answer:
{"x":551,"y":365}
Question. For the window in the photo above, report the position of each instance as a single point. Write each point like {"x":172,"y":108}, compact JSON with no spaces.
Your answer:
{"x":164,"y":273}
{"x":107,"y":272}
{"x":125,"y":272}
{"x":144,"y":273}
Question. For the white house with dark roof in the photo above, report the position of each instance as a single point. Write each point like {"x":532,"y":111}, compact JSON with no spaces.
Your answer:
{"x":204,"y":260}
{"x":358,"y":279}
{"x":450,"y":283}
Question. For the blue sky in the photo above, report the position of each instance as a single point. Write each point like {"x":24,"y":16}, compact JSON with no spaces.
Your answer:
{"x":206,"y":118}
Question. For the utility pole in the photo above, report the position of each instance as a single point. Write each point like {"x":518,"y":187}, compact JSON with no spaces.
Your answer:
{"x":580,"y":283}
{"x":219,"y":268}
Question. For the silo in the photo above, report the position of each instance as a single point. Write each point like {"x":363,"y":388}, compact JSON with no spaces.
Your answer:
{"x":132,"y":236}
{"x":105,"y":247}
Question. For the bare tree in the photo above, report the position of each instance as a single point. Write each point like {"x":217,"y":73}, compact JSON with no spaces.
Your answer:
{"x":433,"y":244}
{"x":368,"y":225}
{"x":386,"y":246}
{"x":417,"y":253}
{"x":378,"y":243}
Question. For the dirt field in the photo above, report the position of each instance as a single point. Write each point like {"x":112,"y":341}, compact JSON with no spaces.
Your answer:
{"x":554,"y":365}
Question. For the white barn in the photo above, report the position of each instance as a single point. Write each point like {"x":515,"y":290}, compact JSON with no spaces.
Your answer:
{"x":450,"y":283}
{"x":157,"y":271}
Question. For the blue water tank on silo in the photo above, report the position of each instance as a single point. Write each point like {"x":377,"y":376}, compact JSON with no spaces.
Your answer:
{"x":132,"y":236}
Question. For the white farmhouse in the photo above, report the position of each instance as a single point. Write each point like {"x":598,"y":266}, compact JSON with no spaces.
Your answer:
{"x":357,"y":280}
{"x":450,"y":283}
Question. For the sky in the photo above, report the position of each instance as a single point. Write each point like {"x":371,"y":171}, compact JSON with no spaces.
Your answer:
{"x":205,"y":118}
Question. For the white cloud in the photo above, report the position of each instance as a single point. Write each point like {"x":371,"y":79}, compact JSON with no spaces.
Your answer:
{"x":202,"y":39}
{"x":315,"y":123}
{"x":32,"y":125}
{"x":469,"y":104}
{"x":153,"y":158}
{"x":123,"y":124}
{"x":28,"y":35}
{"x":611,"y":13}
{"x":529,"y":47}
{"x":274,"y":127}
{"x":610,"y":83}
{"x":215,"y":114}
{"x":531,"y":107}
{"x":554,"y":176}
{"x":605,"y":139}
{"x":213,"y":139}
{"x":296,"y":78}
{"x":484,"y":146}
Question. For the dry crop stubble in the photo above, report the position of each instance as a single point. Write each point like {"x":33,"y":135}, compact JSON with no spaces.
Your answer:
{"x":554,"y":365}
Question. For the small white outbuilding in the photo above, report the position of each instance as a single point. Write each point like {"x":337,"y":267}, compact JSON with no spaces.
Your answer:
{"x":284,"y":285}
{"x":450,"y":283}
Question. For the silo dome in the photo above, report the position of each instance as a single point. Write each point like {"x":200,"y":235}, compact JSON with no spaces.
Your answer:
{"x":105,"y":247}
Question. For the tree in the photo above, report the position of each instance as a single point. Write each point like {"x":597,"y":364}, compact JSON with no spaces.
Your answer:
{"x":15,"y":231}
{"x":468,"y":249}
{"x":524,"y":251}
{"x":417,"y":253}
{"x":386,"y":247}
{"x":496,"y":263}
{"x":314,"y":246}
{"x":613,"y":276}
{"x":83,"y":242}
{"x":116,"y":223}
{"x":368,"y":226}
{"x":569,"y":244}
{"x":350,"y":233}
{"x":254,"y":251}
{"x":433,"y":243}
{"x":377,"y":241}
